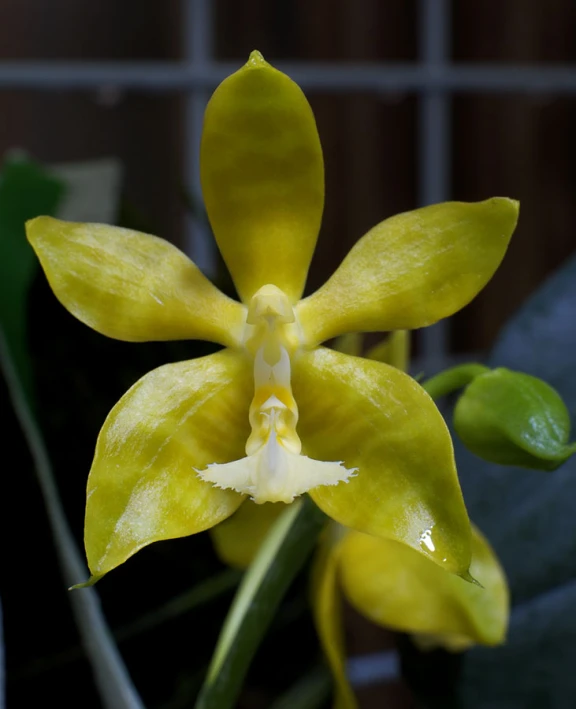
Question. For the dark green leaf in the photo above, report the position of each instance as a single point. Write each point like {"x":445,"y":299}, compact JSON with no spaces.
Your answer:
{"x":530,"y":520}
{"x":279,"y":559}
{"x":26,"y":190}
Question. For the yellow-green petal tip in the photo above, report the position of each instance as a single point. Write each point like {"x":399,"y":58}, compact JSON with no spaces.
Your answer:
{"x":512,"y":206}
{"x":32,"y":225}
{"x":256,"y":60}
{"x":86,"y":584}
{"x":513,"y":203}
{"x":467,"y":576}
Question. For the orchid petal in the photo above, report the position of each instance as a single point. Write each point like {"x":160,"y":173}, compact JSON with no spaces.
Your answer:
{"x":263,"y":178}
{"x":238,"y":538}
{"x":397,"y":588}
{"x":143,"y":485}
{"x":377,"y":419}
{"x":132,"y":286}
{"x":412,"y":270}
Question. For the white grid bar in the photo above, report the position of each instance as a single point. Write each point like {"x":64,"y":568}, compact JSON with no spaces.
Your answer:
{"x":199,"y":52}
{"x":434,"y":78}
{"x":327,"y":78}
{"x":434,"y":147}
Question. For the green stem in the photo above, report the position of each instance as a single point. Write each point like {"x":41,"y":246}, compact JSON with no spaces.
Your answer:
{"x":452,"y":379}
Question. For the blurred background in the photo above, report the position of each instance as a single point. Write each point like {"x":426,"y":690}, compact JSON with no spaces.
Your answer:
{"x":416,"y":102}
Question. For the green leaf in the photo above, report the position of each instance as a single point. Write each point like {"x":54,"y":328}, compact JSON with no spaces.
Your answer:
{"x":288,"y":544}
{"x":530,"y":521}
{"x":512,"y":418}
{"x":26,"y":190}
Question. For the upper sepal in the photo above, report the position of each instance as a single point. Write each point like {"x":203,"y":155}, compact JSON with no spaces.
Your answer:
{"x":262,"y":177}
{"x":512,"y":418}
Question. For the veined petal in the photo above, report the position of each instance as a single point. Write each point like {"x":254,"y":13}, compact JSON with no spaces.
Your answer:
{"x":412,"y":270}
{"x":397,"y":588}
{"x":263,"y":178}
{"x":238,"y":538}
{"x":132,"y":286}
{"x":143,"y":485}
{"x":327,"y":611}
{"x":375,"y":418}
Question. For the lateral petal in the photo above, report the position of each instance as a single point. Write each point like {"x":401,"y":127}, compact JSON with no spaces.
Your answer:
{"x":263,"y":178}
{"x":132,"y":286}
{"x":412,"y":270}
{"x":397,"y":588}
{"x":375,"y":418}
{"x":143,"y":485}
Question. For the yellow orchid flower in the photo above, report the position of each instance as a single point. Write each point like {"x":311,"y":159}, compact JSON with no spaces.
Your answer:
{"x":274,"y":415}
{"x":389,"y":583}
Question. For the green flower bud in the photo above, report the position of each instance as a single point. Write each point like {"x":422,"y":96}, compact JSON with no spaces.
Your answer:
{"x":512,"y":418}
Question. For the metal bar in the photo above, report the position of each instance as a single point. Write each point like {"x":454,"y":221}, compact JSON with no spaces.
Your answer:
{"x":199,"y":51}
{"x":367,"y":670}
{"x":434,"y":144}
{"x":327,"y":78}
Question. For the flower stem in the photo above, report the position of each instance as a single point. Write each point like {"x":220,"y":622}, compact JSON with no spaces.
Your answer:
{"x":452,"y":379}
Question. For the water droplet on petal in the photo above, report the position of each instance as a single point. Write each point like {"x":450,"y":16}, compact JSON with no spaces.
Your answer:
{"x":426,"y":539}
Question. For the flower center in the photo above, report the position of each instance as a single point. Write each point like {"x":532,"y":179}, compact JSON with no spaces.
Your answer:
{"x":273,"y":469}
{"x":273,"y":410}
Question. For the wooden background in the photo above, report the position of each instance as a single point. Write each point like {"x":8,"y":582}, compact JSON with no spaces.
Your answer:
{"x":515,"y":145}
